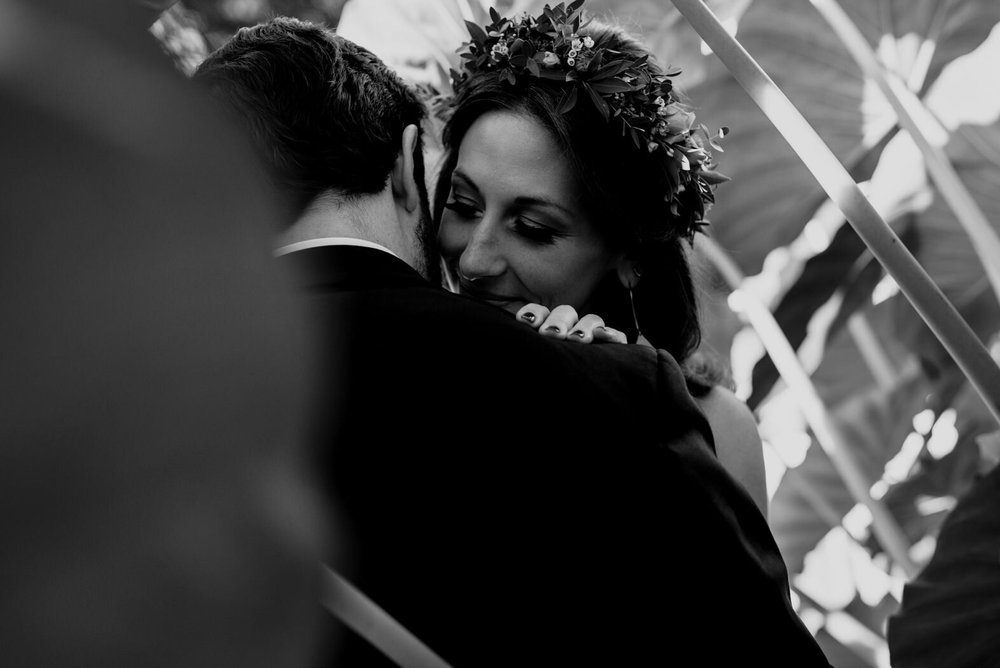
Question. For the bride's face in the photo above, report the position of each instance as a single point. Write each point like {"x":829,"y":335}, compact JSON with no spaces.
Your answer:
{"x":513,"y":230}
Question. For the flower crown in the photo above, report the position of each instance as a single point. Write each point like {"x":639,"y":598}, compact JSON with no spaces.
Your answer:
{"x":549,"y":48}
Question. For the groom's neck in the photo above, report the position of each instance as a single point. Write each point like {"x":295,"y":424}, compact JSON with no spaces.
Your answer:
{"x":367,"y":217}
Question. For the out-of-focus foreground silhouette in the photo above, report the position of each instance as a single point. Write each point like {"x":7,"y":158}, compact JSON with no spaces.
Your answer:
{"x":154,"y":506}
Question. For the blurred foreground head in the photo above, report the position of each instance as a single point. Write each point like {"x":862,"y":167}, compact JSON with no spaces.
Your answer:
{"x":155,"y":512}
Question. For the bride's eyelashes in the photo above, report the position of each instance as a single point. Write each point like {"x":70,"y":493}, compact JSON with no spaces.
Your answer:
{"x":523,"y":227}
{"x":532,"y":231}
{"x":462,"y":209}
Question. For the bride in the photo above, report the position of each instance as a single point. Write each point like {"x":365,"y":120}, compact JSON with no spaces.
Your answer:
{"x":573,"y":182}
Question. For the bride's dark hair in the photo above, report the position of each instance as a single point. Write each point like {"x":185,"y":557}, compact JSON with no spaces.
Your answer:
{"x":624,"y":188}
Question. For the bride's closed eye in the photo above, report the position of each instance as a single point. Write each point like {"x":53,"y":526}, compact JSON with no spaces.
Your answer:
{"x":536,"y":232}
{"x":531,"y":230}
{"x":462,"y":209}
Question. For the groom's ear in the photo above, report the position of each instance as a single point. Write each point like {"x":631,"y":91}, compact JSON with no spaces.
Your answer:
{"x":404,"y":183}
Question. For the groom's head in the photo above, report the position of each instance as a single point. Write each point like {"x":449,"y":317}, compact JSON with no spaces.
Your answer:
{"x":327,"y":116}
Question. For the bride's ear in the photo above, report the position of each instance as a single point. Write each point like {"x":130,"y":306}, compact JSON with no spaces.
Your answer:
{"x":629,"y":273}
{"x":404,"y":183}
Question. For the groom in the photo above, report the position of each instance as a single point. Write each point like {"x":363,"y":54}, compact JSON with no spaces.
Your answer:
{"x":511,"y":499}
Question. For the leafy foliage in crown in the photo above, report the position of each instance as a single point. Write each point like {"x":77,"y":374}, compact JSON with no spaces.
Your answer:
{"x":643,"y":106}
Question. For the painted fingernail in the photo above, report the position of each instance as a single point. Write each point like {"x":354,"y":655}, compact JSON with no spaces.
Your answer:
{"x":577,"y":333}
{"x":528,"y":317}
{"x":553,"y":329}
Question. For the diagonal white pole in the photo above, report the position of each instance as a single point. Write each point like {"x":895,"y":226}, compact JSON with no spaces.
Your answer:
{"x":939,"y":314}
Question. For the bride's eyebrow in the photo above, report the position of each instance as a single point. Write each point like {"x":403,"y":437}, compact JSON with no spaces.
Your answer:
{"x":527,"y":201}
{"x":459,"y":178}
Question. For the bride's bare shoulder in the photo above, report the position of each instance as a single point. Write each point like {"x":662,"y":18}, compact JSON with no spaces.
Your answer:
{"x":737,"y":440}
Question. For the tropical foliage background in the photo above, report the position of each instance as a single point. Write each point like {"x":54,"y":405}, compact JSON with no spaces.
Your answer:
{"x":920,"y":435}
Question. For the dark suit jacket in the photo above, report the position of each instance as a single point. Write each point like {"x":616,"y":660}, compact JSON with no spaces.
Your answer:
{"x":515,"y":500}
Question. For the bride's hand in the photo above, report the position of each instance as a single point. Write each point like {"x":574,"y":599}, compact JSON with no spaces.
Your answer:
{"x":562,"y":322}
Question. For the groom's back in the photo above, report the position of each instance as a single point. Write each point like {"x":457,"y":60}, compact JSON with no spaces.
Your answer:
{"x":513,"y":499}
{"x":502,"y":489}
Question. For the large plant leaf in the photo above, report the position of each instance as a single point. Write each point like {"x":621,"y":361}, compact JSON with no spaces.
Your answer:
{"x":843,"y":372}
{"x":812,"y":497}
{"x":821,"y":276}
{"x":950,"y":614}
{"x":855,"y":651}
{"x":844,"y":655}
{"x":772,"y":196}
{"x":873,"y":429}
{"x":939,"y":244}
{"x":937,"y":241}
{"x":846,"y":270}
{"x":947,"y":254}
{"x":950,"y":475}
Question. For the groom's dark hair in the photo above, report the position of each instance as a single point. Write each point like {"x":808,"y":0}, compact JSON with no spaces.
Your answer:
{"x":323,"y":112}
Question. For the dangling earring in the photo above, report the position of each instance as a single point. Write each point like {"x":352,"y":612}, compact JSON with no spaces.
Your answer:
{"x":631,"y":302}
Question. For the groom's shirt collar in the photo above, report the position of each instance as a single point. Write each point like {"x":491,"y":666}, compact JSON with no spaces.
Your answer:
{"x":331,"y":241}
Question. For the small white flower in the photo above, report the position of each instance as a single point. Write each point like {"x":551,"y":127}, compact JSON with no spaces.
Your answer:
{"x":588,"y":42}
{"x":571,"y":61}
{"x":576,"y":44}
{"x":660,"y":101}
{"x":663,"y":111}
{"x":573,"y":53}
{"x":652,"y":146}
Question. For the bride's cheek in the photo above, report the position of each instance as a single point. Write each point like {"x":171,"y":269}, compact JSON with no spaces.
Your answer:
{"x":451,"y":241}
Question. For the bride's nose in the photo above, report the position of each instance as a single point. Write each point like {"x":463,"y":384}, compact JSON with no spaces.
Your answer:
{"x":482,"y":256}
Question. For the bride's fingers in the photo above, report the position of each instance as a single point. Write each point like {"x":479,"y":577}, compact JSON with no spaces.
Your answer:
{"x":563,"y":322}
{"x":583,"y":331}
{"x":532,"y":315}
{"x":609,"y":335}
{"x":560,"y":321}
